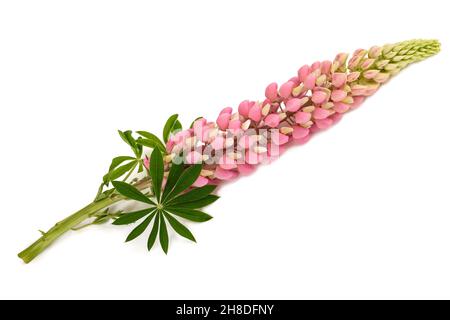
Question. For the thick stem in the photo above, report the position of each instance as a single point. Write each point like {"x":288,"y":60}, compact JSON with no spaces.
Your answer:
{"x":63,"y":226}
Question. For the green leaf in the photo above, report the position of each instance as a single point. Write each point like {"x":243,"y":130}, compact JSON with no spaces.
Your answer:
{"x":193,"y":195}
{"x":117,"y":161}
{"x":152,"y":140}
{"x":163,"y":236}
{"x":189,"y":214}
{"x":174,"y":175}
{"x":140,"y":228}
{"x":127,"y":136}
{"x":156,"y":172}
{"x":186,"y":180}
{"x":197,"y":204}
{"x":179,"y":228}
{"x":192,"y":124}
{"x":153,"y":233}
{"x":131,"y":217}
{"x":127,"y":190}
{"x":120,"y":171}
{"x":139,"y":150}
{"x":177,"y":126}
{"x":168,"y":127}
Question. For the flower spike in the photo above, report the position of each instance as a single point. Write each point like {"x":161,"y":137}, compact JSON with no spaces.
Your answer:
{"x":179,"y":176}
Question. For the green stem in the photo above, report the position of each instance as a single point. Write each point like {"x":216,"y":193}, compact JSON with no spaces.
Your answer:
{"x":72,"y":221}
{"x":63,"y":226}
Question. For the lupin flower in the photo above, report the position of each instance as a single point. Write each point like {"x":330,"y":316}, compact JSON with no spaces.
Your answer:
{"x":177,"y":180}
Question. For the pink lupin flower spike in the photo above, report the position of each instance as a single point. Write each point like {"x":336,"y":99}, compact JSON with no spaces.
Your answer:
{"x":312,"y":100}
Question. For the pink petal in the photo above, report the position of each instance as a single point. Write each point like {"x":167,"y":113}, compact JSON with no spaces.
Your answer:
{"x":353,"y":76}
{"x":169,"y":145}
{"x":341,"y":107}
{"x":319,"y":97}
{"x":313,"y":129}
{"x":294,"y":80}
{"x":286,"y":89}
{"x":338,"y":79}
{"x":224,"y":174}
{"x":272,"y":120}
{"x":279,"y":138}
{"x":243,"y":108}
{"x":336,"y":117}
{"x":205,"y":134}
{"x":310,"y":81}
{"x":341,"y":58}
{"x":218,"y":143}
{"x":223,"y":120}
{"x":198,"y":127}
{"x":370,"y":74}
{"x":326,"y":67}
{"x":226,"y":110}
{"x":227,"y":163}
{"x":245,"y":168}
{"x":247,"y":141}
{"x":303,"y":73}
{"x":252,"y":157}
{"x":324,"y":123}
{"x":272,"y":91}
{"x":273,"y":150}
{"x":234,"y":124}
{"x":357,"y":101}
{"x":302,"y":117}
{"x":146,"y":162}
{"x":193,"y":157}
{"x":200,"y":182}
{"x":302,"y":140}
{"x":292,"y":105}
{"x":338,"y":95}
{"x":182,"y":136}
{"x":315,"y":65}
{"x":299,"y":132}
{"x":320,"y":113}
{"x":255,"y":113}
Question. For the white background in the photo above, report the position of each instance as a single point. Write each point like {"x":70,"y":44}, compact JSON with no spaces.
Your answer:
{"x":361,"y":211}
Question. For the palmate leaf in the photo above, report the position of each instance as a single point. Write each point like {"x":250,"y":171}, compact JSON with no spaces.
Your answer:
{"x":171,"y":202}
{"x":141,"y":227}
{"x":156,"y":172}
{"x":127,"y":190}
{"x":178,"y":227}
